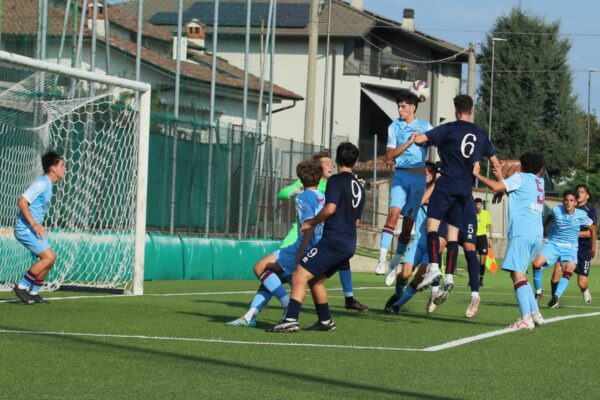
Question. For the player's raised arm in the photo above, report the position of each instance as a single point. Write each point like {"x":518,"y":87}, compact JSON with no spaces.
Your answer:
{"x":492,"y":184}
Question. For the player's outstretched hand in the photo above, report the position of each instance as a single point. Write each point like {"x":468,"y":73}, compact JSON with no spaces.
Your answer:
{"x":39,"y":231}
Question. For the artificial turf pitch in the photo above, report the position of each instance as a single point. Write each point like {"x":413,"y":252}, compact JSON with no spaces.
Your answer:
{"x":172,"y":343}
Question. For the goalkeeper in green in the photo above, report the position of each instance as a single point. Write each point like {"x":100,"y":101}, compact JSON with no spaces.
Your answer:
{"x":292,"y":190}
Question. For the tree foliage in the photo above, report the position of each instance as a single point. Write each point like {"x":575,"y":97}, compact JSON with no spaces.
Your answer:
{"x":533,"y":106}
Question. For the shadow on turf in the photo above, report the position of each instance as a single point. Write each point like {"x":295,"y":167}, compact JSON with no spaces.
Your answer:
{"x":303,"y":378}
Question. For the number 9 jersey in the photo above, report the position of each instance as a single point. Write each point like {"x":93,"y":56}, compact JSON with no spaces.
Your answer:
{"x":348,"y":195}
{"x":461,"y":144}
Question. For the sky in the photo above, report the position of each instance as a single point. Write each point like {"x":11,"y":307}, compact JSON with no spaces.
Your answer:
{"x":464,"y":21}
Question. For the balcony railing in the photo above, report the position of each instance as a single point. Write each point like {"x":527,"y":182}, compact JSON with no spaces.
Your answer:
{"x":385,"y":66}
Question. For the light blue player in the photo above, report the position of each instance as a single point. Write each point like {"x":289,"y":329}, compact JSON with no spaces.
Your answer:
{"x":562,"y":244}
{"x":29,"y":231}
{"x":278,"y":266}
{"x":415,"y":257}
{"x":408,"y":181}
{"x":525,"y":231}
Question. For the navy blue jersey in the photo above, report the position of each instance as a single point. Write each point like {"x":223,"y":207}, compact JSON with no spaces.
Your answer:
{"x":461,"y":144}
{"x":348,"y":195}
{"x":586,"y":243}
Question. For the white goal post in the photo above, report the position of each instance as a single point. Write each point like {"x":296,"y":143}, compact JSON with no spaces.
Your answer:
{"x":100,"y":125}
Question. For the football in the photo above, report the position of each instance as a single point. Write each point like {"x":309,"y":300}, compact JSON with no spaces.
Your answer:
{"x":420,"y":89}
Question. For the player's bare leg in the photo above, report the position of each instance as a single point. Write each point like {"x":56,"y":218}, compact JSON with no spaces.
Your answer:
{"x":387,"y":234}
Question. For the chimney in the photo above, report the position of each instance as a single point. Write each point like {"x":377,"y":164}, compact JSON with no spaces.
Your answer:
{"x":183,"y":48}
{"x":196,"y":33}
{"x":408,"y":19}
{"x":99,"y":20}
{"x":358,"y":4}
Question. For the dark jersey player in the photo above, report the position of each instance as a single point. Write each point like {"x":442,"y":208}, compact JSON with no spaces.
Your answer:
{"x":344,"y":202}
{"x":462,"y":144}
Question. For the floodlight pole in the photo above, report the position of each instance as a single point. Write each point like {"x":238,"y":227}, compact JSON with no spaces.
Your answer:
{"x":589,"y":100}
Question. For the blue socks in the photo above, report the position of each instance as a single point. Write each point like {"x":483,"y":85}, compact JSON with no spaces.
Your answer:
{"x":400,"y":287}
{"x":521,"y":289}
{"x":322,"y":312}
{"x":261,"y":298}
{"x":533,"y":305}
{"x":387,"y":233}
{"x":406,"y":296}
{"x":563,"y":283}
{"x":346,"y":281}
{"x":273,"y":284}
{"x":537,"y":279}
{"x":433,"y":247}
{"x":451,"y":257}
{"x":293,"y":309}
{"x":474,"y":270}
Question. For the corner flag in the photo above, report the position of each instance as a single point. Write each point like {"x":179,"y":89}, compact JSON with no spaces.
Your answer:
{"x":490,"y":261}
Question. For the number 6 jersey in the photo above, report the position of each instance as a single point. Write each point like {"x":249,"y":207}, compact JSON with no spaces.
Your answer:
{"x":348,"y":195}
{"x":461,"y":144}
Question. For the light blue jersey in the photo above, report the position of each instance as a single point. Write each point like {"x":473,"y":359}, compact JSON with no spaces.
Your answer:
{"x":308,"y":204}
{"x":398,"y":133}
{"x":38,"y":195}
{"x":525,"y":205}
{"x":565,"y":227}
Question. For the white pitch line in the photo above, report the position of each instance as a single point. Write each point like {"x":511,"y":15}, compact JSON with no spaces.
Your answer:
{"x":467,"y":340}
{"x":202,"y":340}
{"x":444,"y":346}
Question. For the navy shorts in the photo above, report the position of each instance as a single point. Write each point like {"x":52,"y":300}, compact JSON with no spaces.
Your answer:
{"x":325,"y":258}
{"x":583,"y":263}
{"x":449,"y":201}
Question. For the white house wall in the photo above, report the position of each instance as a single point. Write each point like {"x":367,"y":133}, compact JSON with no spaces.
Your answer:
{"x":290,"y":72}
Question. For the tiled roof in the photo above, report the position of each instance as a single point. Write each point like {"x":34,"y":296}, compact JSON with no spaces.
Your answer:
{"x":346,"y":21}
{"x":201,"y":72}
{"x":20,"y":19}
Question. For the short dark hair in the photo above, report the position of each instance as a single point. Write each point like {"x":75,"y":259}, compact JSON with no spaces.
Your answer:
{"x":408,"y":98}
{"x":431,"y":165}
{"x":50,"y":159}
{"x":463,"y":103}
{"x":321,"y":154}
{"x":309,"y":172}
{"x":478,"y":200}
{"x":587,"y":189}
{"x":570,"y":192}
{"x":346,"y":154}
{"x":531,"y":163}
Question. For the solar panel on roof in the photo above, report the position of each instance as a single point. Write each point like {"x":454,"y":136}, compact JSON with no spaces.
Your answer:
{"x":289,"y":15}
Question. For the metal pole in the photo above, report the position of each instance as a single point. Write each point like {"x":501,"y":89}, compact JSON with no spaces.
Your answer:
{"x":256,"y":160}
{"x":94,"y":27}
{"x":374,"y":180}
{"x":229,"y":177}
{"x":44,"y":29}
{"x":331,"y":108}
{"x":589,"y":123}
{"x":324,"y":119}
{"x":313,"y":44}
{"x":244,"y":117}
{"x":471,"y":76}
{"x":138,"y":43}
{"x":107,"y":38}
{"x":494,"y":40}
{"x":213,"y":81}
{"x":176,"y":112}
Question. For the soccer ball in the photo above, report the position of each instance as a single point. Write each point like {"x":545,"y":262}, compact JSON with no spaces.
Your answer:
{"x":420,"y":89}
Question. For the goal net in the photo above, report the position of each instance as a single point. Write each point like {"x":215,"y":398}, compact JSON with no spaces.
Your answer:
{"x":99,"y":124}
